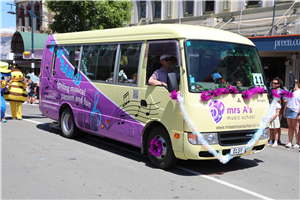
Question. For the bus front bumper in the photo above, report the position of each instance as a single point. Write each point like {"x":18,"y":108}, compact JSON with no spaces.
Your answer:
{"x":199,"y":152}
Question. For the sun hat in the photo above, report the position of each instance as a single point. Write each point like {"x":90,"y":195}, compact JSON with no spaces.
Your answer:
{"x":4,"y":67}
{"x":164,"y":56}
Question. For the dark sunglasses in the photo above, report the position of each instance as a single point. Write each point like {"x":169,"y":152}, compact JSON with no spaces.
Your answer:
{"x":168,"y":60}
{"x":275,"y":83}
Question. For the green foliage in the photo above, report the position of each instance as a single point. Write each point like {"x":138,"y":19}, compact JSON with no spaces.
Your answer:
{"x":73,"y":16}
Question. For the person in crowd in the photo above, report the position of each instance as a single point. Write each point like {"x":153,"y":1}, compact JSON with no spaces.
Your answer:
{"x":274,"y":126}
{"x":31,"y":85}
{"x":292,"y":113}
{"x":277,"y":85}
{"x":38,"y":91}
{"x":27,"y":78}
{"x":159,"y":76}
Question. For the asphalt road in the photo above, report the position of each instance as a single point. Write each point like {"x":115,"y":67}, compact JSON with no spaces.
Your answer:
{"x":37,"y":163}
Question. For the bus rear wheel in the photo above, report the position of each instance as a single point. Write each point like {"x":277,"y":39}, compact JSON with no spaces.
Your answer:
{"x":68,"y":126}
{"x":167,"y":158}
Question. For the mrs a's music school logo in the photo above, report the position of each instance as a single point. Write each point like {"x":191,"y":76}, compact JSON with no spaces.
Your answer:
{"x":216,"y":109}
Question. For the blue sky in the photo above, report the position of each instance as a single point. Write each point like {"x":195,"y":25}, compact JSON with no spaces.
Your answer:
{"x":7,"y":19}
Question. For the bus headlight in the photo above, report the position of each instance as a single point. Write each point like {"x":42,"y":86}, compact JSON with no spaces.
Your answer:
{"x":265,"y":134}
{"x":211,"y":138}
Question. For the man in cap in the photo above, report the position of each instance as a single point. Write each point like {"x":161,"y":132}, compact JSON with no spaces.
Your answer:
{"x":159,"y":77}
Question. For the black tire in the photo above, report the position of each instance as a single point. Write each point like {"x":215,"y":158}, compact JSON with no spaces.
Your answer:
{"x":167,"y":159}
{"x":68,"y":126}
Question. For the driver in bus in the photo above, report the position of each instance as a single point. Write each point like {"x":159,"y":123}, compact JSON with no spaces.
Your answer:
{"x":159,"y":76}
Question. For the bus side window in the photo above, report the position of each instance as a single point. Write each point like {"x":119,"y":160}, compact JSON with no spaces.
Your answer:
{"x":89,"y":60}
{"x":129,"y":63}
{"x":157,"y":48}
{"x":72,"y":54}
{"x":53,"y":61}
{"x":104,"y":62}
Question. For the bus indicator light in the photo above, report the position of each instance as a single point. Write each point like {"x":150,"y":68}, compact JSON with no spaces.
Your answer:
{"x":108,"y":121}
{"x":176,"y":135}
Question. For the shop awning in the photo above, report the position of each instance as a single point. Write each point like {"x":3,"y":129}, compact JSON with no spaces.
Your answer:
{"x":21,"y":41}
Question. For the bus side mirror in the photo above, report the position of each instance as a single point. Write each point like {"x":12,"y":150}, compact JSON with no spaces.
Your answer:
{"x":172,"y":82}
{"x":292,"y":80}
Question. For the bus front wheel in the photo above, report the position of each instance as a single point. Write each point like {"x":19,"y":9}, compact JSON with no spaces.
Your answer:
{"x":167,"y":158}
{"x":68,"y":126}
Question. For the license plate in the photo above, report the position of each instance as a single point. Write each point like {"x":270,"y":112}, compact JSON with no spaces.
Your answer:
{"x":237,"y":150}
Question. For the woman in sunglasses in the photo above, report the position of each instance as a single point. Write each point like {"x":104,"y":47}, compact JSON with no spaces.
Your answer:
{"x":159,"y":77}
{"x":292,"y":113}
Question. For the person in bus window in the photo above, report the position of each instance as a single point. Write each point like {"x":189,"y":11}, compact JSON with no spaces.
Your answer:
{"x":159,"y":76}
{"x":240,"y":82}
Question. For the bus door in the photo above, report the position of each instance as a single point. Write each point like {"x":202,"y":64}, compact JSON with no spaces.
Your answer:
{"x":160,"y":106}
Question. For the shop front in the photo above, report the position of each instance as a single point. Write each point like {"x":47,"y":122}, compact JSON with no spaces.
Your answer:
{"x":279,"y":55}
{"x":20,"y":43}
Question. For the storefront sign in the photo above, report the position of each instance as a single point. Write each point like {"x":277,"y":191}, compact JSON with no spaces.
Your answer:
{"x":277,"y":43}
{"x":287,"y":43}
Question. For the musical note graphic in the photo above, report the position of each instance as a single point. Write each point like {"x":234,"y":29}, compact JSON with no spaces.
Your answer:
{"x":137,"y":114}
{"x":126,"y":99}
{"x":95,"y":119}
{"x":148,"y":113}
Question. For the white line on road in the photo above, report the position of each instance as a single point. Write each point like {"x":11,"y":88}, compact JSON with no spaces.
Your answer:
{"x":224,"y":183}
{"x":178,"y":167}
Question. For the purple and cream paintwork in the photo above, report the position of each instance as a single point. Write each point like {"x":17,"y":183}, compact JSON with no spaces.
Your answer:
{"x":93,"y":111}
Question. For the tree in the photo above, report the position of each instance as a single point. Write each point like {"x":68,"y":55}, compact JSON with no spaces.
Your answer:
{"x":73,"y":16}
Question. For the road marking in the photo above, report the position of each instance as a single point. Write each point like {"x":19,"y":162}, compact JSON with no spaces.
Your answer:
{"x":224,"y":183}
{"x":178,"y":167}
{"x":193,"y":172}
{"x":36,"y":122}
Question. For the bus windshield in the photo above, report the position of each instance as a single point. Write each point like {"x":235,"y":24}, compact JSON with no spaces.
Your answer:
{"x":218,"y":64}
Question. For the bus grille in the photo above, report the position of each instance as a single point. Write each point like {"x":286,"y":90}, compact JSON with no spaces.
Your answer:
{"x":237,"y":138}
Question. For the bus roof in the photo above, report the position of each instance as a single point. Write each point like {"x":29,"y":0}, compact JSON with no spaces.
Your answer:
{"x":150,"y":32}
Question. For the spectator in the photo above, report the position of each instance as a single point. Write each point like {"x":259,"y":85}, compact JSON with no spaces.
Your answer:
{"x":292,"y":113}
{"x":27,"y":78}
{"x":31,"y":93}
{"x":277,"y":85}
{"x":274,"y":126}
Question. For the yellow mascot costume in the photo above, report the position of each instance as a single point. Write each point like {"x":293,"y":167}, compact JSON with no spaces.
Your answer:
{"x":16,"y":93}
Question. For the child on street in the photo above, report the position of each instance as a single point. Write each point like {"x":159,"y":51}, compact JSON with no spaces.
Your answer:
{"x":274,"y":126}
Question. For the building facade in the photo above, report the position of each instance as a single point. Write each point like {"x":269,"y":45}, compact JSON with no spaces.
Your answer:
{"x":252,"y":19}
{"x":23,"y":17}
{"x":22,"y":41}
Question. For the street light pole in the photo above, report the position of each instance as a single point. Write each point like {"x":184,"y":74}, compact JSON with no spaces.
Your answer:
{"x":274,"y":9}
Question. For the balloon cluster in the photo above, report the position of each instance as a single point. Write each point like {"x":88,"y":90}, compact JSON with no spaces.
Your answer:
{"x":283,"y":93}
{"x":246,"y":94}
{"x":156,"y":147}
